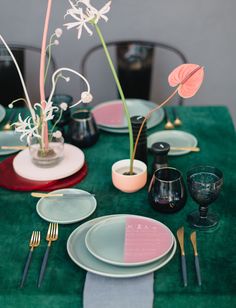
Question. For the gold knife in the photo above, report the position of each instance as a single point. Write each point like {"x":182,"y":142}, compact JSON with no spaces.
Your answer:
{"x":56,"y":195}
{"x":180,"y":236}
{"x":193,"y":238}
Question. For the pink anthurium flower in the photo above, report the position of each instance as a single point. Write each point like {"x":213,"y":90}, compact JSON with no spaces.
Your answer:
{"x":188,"y":85}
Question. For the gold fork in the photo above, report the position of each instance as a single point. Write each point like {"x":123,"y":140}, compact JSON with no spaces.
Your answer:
{"x":52,"y":236}
{"x":34,"y":242}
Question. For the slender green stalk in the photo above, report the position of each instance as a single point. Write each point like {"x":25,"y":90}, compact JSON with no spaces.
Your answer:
{"x":57,"y":121}
{"x":49,"y":48}
{"x":131,"y":141}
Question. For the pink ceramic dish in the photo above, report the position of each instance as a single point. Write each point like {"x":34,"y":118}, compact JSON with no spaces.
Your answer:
{"x":129,"y":183}
{"x":110,"y":114}
{"x":146,"y":240}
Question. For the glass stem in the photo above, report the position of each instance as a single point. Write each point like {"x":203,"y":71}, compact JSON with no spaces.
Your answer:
{"x":203,"y":210}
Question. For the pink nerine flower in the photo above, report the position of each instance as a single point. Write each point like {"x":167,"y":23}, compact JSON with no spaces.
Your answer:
{"x":192,"y":84}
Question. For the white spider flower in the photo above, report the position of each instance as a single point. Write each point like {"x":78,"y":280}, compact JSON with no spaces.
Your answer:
{"x":86,"y":97}
{"x":97,"y":14}
{"x":47,"y":111}
{"x":64,"y":106}
{"x":10,"y":105}
{"x":56,"y":42}
{"x":57,"y":134}
{"x":58,"y":32}
{"x":27,"y":127}
{"x":81,"y":22}
{"x":92,"y":14}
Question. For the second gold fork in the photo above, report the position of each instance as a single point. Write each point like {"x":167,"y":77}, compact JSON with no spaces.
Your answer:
{"x":52,"y":236}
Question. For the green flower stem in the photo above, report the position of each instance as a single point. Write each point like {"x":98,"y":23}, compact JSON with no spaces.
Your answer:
{"x":49,"y":48}
{"x":131,"y":141}
{"x":57,"y":121}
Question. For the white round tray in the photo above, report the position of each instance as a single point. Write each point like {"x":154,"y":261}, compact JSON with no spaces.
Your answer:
{"x":72,"y":162}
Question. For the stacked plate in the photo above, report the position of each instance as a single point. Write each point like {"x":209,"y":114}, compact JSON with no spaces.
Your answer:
{"x":19,"y":173}
{"x":121,"y":246}
{"x":110,"y":116}
{"x":72,"y":162}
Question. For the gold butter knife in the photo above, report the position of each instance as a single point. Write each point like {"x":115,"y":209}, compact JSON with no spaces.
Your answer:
{"x":56,"y":195}
{"x":193,"y":149}
{"x":13,"y":147}
{"x":193,"y":238}
{"x":180,"y":236}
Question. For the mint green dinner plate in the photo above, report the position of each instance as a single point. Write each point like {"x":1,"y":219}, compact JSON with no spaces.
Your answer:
{"x":106,"y":241}
{"x":10,"y":138}
{"x":2,"y":113}
{"x":175,"y":138}
{"x":80,"y":255}
{"x":66,"y":210}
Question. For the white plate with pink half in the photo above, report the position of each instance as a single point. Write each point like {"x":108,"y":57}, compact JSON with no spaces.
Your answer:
{"x":129,"y":240}
{"x":110,"y":116}
{"x":80,"y":255}
{"x":73,"y":160}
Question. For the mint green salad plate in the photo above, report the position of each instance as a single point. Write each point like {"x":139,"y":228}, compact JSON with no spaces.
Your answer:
{"x":80,"y":255}
{"x":175,"y":138}
{"x":106,"y":241}
{"x":2,"y":113}
{"x":10,"y":138}
{"x":66,"y":210}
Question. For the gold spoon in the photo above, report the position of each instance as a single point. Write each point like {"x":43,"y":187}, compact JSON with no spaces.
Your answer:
{"x":169,"y":124}
{"x":177,"y":121}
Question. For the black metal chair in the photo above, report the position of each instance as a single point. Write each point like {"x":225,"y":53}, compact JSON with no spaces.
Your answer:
{"x":135,"y":64}
{"x":28,"y":59}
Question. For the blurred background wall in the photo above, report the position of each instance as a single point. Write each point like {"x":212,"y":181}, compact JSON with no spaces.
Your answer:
{"x":203,"y":30}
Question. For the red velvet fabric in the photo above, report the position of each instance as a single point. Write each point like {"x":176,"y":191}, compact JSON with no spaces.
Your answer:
{"x":10,"y":180}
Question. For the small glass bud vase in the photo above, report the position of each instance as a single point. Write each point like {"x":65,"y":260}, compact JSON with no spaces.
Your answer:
{"x":49,"y":156}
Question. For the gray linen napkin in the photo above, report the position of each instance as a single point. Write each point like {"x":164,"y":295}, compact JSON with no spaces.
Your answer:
{"x":108,"y":292}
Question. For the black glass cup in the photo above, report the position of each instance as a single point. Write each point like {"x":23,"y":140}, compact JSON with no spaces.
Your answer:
{"x":167,"y":192}
{"x":204,"y":184}
{"x":83,"y":129}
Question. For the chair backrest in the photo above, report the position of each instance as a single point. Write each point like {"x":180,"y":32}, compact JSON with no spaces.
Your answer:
{"x":140,"y":65}
{"x":28,"y":59}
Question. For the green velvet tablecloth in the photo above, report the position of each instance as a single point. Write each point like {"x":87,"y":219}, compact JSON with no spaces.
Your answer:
{"x":64,"y":281}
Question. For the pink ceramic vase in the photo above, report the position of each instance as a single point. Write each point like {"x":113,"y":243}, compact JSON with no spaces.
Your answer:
{"x":129,"y":183}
